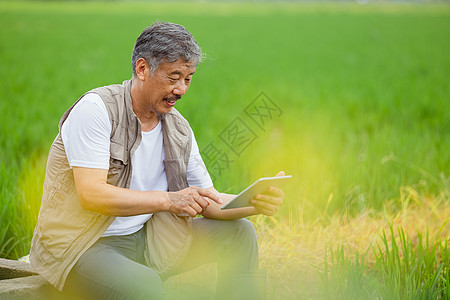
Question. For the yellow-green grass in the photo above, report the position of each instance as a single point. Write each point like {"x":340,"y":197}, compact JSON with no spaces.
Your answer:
{"x":363,"y":90}
{"x":297,"y":254}
{"x":295,"y":251}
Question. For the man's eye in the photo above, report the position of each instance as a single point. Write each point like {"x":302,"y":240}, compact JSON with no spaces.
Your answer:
{"x":187,"y":80}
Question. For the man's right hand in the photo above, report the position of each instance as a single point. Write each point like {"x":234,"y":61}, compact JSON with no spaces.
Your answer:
{"x":191,"y":201}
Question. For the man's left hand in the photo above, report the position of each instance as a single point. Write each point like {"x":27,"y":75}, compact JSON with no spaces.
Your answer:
{"x":270,"y":201}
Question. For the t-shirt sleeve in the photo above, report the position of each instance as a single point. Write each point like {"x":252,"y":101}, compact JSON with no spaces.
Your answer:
{"x":86,"y":134}
{"x":197,"y":174}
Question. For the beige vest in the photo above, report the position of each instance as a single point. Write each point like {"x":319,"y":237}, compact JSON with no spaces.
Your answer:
{"x":65,"y":230}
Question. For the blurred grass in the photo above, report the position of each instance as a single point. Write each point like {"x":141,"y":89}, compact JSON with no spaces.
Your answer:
{"x":393,"y":254}
{"x":396,"y":253}
{"x":402,"y":271}
{"x":364,"y":92}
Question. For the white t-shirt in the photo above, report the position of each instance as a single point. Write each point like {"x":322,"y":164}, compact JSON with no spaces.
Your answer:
{"x":86,"y":137}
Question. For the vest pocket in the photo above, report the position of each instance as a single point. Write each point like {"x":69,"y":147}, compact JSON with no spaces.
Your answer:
{"x":176,"y":174}
{"x":117,"y":164}
{"x":118,"y":152}
{"x":116,"y":171}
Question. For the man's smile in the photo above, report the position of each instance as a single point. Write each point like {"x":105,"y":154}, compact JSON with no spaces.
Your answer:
{"x":171,"y":100}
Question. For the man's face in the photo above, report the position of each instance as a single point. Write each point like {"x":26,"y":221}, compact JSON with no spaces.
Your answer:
{"x":169,"y":82}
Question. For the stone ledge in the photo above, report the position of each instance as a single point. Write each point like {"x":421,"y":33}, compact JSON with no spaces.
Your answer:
{"x":30,"y":287}
{"x":14,"y":269}
{"x":18,"y":280}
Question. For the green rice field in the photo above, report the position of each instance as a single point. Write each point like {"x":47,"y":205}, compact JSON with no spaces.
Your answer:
{"x":359,"y":100}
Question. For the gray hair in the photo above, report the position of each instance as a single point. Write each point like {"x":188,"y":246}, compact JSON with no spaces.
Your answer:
{"x":165,"y":42}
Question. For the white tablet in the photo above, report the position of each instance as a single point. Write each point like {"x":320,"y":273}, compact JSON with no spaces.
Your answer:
{"x":258,"y":187}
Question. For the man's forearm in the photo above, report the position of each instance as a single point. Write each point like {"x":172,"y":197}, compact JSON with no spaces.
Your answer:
{"x":120,"y":202}
{"x":214,"y":211}
{"x":96,"y":195}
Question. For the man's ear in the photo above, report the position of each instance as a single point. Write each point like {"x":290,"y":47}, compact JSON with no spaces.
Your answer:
{"x":142,"y":69}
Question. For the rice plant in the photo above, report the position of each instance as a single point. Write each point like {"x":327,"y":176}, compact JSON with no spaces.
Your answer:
{"x":401,"y":270}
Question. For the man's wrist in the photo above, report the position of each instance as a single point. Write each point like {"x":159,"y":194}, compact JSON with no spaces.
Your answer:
{"x":165,"y":202}
{"x":160,"y":201}
{"x":252,"y":211}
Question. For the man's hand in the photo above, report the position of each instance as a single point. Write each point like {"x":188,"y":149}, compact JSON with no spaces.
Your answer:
{"x":191,"y":201}
{"x":270,"y":201}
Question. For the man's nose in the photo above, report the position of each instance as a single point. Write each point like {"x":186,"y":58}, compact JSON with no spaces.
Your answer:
{"x":180,"y":88}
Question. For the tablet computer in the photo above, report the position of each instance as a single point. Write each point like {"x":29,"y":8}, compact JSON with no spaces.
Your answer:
{"x":259,"y":186}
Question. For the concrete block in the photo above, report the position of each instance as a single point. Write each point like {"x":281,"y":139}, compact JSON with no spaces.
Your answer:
{"x":30,"y":287}
{"x":14,"y":269}
{"x":18,"y":281}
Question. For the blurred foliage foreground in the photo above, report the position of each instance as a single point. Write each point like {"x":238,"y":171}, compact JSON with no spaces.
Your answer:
{"x":359,"y":98}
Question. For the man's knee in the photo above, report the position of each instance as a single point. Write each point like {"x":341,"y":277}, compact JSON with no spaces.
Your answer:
{"x":240,"y":256}
{"x":147,"y":286}
{"x":245,"y":229}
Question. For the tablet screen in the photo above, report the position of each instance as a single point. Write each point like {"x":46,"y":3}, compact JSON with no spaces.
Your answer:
{"x":258,"y":187}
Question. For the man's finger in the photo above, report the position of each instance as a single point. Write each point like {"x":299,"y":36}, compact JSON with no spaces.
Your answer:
{"x":263,"y":205}
{"x":274,"y":191}
{"x":281,"y":173}
{"x":195,"y":206}
{"x":269,"y":199}
{"x":268,"y":212}
{"x":202,"y":201}
{"x":191,"y":212}
{"x":210,"y":195}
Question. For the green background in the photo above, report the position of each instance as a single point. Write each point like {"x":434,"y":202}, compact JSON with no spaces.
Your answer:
{"x":364,"y":94}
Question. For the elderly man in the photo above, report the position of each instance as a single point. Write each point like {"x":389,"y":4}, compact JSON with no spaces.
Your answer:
{"x":124,"y":184}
